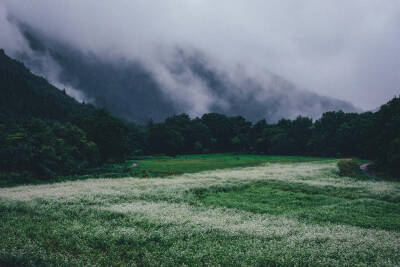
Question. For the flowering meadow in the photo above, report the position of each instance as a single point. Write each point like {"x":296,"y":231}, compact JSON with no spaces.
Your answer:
{"x":279,"y":213}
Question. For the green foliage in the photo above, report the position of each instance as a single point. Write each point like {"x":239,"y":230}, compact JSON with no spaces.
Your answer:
{"x":37,"y":149}
{"x":25,"y":97}
{"x":44,"y":133}
{"x":163,"y":139}
{"x":386,"y":133}
{"x":108,"y":132}
{"x":351,"y":168}
{"x":373,"y":136}
{"x":221,"y":130}
{"x":393,"y":156}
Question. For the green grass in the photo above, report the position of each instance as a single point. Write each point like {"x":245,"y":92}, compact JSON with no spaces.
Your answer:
{"x":162,"y":166}
{"x":291,"y":211}
{"x":165,"y":166}
{"x":349,"y":206}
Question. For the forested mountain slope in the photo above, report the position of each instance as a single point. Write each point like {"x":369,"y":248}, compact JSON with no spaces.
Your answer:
{"x":185,"y":82}
{"x":23,"y":95}
{"x":44,"y":133}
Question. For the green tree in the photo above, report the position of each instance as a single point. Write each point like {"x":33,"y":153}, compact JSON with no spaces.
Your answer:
{"x":165,"y":140}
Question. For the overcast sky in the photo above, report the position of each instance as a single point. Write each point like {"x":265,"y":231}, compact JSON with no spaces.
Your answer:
{"x":339,"y":48}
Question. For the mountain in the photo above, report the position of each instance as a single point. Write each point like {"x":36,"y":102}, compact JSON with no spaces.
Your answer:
{"x":273,"y":99}
{"x":23,"y":94}
{"x":49,"y":132}
{"x":125,"y":88}
{"x":190,"y":83}
{"x":44,"y":133}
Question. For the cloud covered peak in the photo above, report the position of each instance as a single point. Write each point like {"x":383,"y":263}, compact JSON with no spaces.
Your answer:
{"x":201,"y":56}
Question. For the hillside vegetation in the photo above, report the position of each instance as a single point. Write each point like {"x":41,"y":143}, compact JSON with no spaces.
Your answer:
{"x":45,"y":134}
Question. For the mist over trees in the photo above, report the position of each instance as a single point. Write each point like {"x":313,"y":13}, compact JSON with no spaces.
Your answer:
{"x":188,"y":81}
{"x":44,"y":133}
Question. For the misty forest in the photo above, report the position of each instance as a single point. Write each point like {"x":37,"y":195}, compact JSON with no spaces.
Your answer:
{"x":46,"y":133}
{"x":168,"y":150}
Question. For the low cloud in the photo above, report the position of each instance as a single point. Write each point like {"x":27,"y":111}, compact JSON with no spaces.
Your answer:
{"x":342,"y":49}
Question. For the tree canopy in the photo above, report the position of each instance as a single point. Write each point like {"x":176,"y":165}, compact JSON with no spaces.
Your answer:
{"x":44,"y":133}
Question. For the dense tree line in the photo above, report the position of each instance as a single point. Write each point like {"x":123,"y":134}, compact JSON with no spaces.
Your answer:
{"x":368,"y":135}
{"x":44,"y":133}
{"x":40,"y":149}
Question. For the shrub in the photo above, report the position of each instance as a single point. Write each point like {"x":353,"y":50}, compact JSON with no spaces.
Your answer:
{"x":351,"y":168}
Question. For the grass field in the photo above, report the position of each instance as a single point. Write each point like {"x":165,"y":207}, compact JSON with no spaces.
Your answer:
{"x":267,"y":211}
{"x":161,"y":166}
